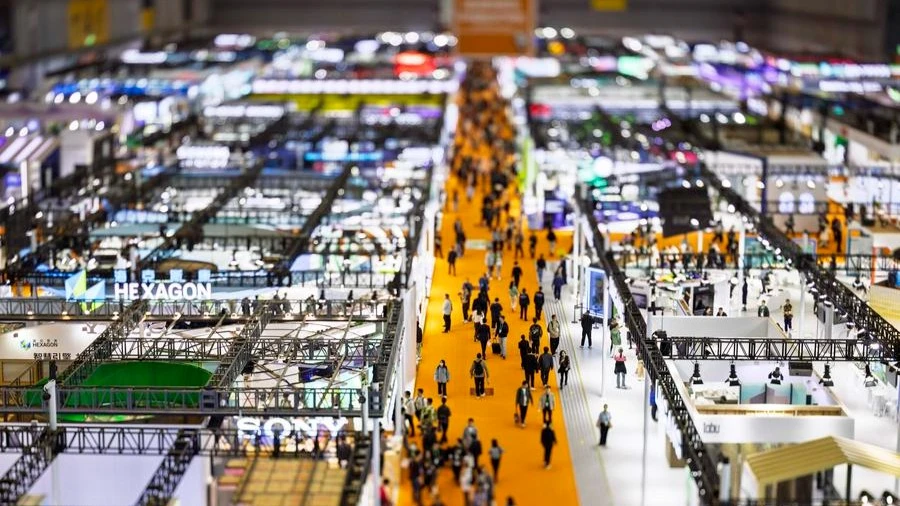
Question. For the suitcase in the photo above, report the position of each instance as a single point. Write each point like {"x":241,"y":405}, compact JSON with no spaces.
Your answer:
{"x":495,"y":347}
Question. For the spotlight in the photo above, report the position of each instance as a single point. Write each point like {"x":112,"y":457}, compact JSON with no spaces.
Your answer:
{"x":869,"y":380}
{"x":696,"y":379}
{"x":826,"y":380}
{"x":733,"y":380}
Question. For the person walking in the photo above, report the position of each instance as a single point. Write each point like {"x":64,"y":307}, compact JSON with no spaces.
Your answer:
{"x":447,"y":310}
{"x":479,"y":372}
{"x":483,"y":335}
{"x":745,"y":289}
{"x":523,"y":400}
{"x":763,"y":310}
{"x":524,"y":302}
{"x":615,"y":336}
{"x":587,"y":329}
{"x":551,"y":240}
{"x":653,"y":406}
{"x":496,"y":308}
{"x":443,"y":419}
{"x":558,"y":281}
{"x":408,"y":410}
{"x":516,"y":273}
{"x":553,"y":332}
{"x":475,"y":450}
{"x":451,"y":261}
{"x":532,"y":244}
{"x":541,"y":267}
{"x":548,"y":404}
{"x":496,"y":452}
{"x":548,"y":441}
{"x":604,"y":423}
{"x":513,"y":296}
{"x":545,"y":361}
{"x":442,"y":377}
{"x":419,"y":403}
{"x":538,"y":300}
{"x":535,"y":332}
{"x":564,"y":365}
{"x":519,"y":239}
{"x":620,"y":369}
{"x":502,"y":334}
{"x":788,"y":311}
{"x":465,"y":299}
{"x":524,"y":349}
{"x":531,"y":367}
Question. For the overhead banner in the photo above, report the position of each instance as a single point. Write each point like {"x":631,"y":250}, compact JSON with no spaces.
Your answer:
{"x":494,"y":27}
{"x":88,"y":23}
{"x":609,"y":5}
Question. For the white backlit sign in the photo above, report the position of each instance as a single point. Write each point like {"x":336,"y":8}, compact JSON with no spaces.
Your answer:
{"x":850,"y":86}
{"x":163,"y":291}
{"x":244,"y":111}
{"x":308,"y":427}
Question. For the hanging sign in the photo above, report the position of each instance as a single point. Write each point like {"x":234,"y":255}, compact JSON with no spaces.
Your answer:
{"x":309,"y":427}
{"x":163,"y":291}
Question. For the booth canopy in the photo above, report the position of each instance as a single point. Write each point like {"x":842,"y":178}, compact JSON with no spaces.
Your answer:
{"x":794,"y":461}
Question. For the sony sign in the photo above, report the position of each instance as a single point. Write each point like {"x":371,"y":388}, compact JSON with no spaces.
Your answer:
{"x":164,"y":291}
{"x":249,"y":426}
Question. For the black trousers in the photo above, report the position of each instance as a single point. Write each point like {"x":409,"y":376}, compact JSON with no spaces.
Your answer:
{"x":495,"y":464}
{"x":548,"y":450}
{"x":523,"y":312}
{"x":788,"y":323}
{"x":547,"y":415}
{"x":554,"y":345}
{"x":604,"y":430}
{"x":586,"y":334}
{"x":442,"y":389}
{"x":523,"y":410}
{"x":529,"y":378}
{"x":412,"y":424}
{"x":538,"y":310}
{"x":444,"y":425}
{"x":479,"y":385}
{"x":545,"y":376}
{"x":563,"y":378}
{"x":465,"y":310}
{"x":446,"y":322}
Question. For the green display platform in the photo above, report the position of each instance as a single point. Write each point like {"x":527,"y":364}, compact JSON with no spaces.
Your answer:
{"x":153,"y":374}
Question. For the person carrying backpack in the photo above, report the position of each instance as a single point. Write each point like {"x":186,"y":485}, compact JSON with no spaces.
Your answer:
{"x":479,"y":373}
{"x":545,"y":361}
{"x":524,"y":302}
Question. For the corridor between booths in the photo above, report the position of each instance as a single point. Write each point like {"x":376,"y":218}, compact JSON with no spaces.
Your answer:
{"x":521,"y":474}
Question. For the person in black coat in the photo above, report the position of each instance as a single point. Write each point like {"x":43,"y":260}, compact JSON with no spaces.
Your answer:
{"x":531,"y":367}
{"x":483,"y":335}
{"x":524,"y":302}
{"x":587,"y":328}
{"x":496,"y":309}
{"x":524,"y":349}
{"x":538,"y":303}
{"x":548,"y":441}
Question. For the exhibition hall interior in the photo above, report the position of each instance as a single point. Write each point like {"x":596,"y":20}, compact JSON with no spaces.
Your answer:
{"x":305,"y":253}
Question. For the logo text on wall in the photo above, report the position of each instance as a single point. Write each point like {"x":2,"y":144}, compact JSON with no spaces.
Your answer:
{"x":164,"y":291}
{"x":306,"y":426}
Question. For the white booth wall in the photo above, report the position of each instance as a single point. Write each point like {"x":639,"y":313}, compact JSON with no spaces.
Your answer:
{"x":717,"y":326}
{"x":95,"y":480}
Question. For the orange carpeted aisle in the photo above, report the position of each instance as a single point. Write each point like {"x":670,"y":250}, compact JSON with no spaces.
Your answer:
{"x":522,"y":473}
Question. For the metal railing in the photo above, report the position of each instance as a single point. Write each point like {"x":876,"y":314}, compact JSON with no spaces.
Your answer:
{"x":849,"y":264}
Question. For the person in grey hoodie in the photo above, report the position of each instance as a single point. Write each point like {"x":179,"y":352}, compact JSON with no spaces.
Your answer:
{"x":442,"y":377}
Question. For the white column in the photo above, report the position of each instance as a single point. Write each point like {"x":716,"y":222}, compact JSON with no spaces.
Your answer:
{"x":376,"y":462}
{"x":645,"y":408}
{"x":801,"y":324}
{"x":607,"y":311}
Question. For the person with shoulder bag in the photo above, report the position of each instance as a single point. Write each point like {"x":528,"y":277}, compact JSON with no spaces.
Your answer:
{"x":564,"y":366}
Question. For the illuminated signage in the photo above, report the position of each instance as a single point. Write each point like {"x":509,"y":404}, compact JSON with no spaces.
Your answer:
{"x":850,"y":86}
{"x":285,"y":427}
{"x":351,"y":86}
{"x":211,"y":157}
{"x":163,"y":291}
{"x":244,"y":111}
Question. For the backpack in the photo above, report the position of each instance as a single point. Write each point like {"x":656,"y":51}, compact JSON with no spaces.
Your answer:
{"x":478,"y":368}
{"x":535,"y":332}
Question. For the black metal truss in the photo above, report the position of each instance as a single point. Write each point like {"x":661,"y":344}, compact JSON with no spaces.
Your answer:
{"x":822,"y":279}
{"x":101,"y":348}
{"x":53,"y":309}
{"x":853,"y":263}
{"x":168,"y":475}
{"x":39,"y":447}
{"x":299,"y":245}
{"x":238,"y":355}
{"x":290,"y":350}
{"x":781,"y":350}
{"x":125,"y":440}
